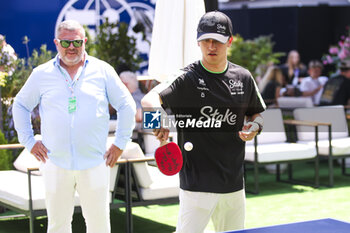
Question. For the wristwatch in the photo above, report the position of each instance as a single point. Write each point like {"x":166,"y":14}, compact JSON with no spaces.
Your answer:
{"x":260,"y":127}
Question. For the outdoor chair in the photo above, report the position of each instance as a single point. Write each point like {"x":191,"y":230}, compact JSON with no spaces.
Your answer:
{"x":294,"y":102}
{"x":334,"y":140}
{"x":149,"y":183}
{"x":22,"y":190}
{"x":270,"y":147}
{"x":145,"y":184}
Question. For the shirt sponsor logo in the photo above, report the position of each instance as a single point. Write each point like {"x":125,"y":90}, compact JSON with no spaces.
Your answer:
{"x":202,"y":86}
{"x":201,"y":82}
{"x":208,"y":112}
{"x":236,"y":87}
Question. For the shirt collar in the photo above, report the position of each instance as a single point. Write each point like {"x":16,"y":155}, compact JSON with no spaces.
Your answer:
{"x":56,"y":61}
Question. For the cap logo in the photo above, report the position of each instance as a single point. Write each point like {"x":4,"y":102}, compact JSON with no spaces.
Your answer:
{"x":207,"y":22}
{"x":221,"y":28}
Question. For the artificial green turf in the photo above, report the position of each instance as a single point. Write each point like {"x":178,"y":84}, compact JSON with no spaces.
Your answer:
{"x":277,"y":203}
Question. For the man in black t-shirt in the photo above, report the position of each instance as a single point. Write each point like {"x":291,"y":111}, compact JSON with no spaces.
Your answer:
{"x":337,"y":89}
{"x":218,"y":104}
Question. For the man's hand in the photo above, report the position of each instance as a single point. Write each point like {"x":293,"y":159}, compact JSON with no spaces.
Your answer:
{"x":112,"y":155}
{"x":162,"y":134}
{"x":40,"y":151}
{"x":249,"y":131}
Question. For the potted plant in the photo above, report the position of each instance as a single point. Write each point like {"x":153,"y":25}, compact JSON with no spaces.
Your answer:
{"x":113,"y":45}
{"x":338,"y":52}
{"x":255,"y":55}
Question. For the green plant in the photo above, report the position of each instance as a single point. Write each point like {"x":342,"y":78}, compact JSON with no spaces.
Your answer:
{"x":90,"y":43}
{"x":253,"y":54}
{"x":7,"y":60}
{"x":14,"y":83}
{"x":113,"y":45}
{"x":24,"y":68}
{"x":5,"y":155}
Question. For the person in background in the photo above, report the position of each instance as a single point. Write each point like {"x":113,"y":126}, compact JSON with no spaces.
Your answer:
{"x":337,"y":89}
{"x":313,"y":84}
{"x":73,"y":91}
{"x":130,"y":81}
{"x":293,"y":70}
{"x":8,"y":56}
{"x":270,"y":85}
{"x":217,"y":91}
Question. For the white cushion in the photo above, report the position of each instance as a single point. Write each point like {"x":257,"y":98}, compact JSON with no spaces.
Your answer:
{"x":26,"y":160}
{"x":273,"y":130}
{"x":112,"y":125}
{"x":133,"y":150}
{"x":113,"y":177}
{"x":328,"y":114}
{"x":162,"y":187}
{"x":153,"y":184}
{"x":14,"y":190}
{"x":294,"y":102}
{"x":340,"y":146}
{"x":151,"y":143}
{"x":276,"y":152}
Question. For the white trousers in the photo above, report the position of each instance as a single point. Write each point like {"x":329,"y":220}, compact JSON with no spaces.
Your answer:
{"x":92,"y":186}
{"x":227,"y":211}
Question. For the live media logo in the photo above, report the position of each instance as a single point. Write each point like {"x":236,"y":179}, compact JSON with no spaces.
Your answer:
{"x":151,"y":119}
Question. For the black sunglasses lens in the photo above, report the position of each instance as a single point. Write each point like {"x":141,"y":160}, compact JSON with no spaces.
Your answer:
{"x":77,"y":43}
{"x":65,"y":43}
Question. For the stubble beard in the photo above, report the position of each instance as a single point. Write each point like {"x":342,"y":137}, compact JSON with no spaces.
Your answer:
{"x":73,"y":60}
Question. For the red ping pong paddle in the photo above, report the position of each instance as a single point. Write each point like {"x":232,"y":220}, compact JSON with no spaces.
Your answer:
{"x":168,"y":158}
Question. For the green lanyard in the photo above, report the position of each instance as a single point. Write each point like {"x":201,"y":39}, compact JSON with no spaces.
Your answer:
{"x":72,"y":100}
{"x":71,"y":84}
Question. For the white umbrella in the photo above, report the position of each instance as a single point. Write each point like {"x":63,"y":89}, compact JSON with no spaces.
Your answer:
{"x":174,"y":37}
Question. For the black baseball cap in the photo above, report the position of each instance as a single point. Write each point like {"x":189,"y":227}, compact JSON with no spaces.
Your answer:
{"x":214,"y":25}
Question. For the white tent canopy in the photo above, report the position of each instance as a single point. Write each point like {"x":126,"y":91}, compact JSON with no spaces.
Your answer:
{"x":174,"y":43}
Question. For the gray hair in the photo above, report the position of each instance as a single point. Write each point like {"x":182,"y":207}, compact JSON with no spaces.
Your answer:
{"x":131,"y":79}
{"x":70,"y":25}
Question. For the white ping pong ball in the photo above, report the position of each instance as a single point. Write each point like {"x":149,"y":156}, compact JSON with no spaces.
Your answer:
{"x":188,"y":146}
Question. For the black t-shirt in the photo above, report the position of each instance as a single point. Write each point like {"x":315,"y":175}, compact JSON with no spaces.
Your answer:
{"x":336,"y":91}
{"x":215,"y":164}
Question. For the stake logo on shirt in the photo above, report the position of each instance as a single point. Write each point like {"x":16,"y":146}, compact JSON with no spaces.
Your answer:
{"x":236,"y":87}
{"x":209,"y":113}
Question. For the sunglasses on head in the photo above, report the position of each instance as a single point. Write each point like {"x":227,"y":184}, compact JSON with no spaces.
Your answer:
{"x":66,"y":43}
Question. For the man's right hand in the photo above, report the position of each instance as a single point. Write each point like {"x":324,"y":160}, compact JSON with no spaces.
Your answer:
{"x":162,"y":134}
{"x":40,"y":151}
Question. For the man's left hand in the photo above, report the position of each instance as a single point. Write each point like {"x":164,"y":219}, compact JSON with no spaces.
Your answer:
{"x":112,"y":155}
{"x":249,"y":131}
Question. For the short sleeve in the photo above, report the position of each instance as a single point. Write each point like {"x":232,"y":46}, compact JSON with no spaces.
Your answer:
{"x":172,"y":96}
{"x":256,"y":103}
